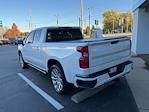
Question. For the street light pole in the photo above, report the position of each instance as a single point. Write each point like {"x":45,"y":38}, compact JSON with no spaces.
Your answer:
{"x":81,"y":18}
{"x":89,"y":17}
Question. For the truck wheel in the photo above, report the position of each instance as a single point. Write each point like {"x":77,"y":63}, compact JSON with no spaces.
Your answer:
{"x":58,"y":79}
{"x":22,"y":62}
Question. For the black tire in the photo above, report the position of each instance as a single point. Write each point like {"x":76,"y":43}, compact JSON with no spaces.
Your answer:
{"x":23,"y":64}
{"x":58,"y":79}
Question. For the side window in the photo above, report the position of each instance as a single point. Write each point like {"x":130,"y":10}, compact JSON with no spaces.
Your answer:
{"x":30,"y":38}
{"x":37,"y":36}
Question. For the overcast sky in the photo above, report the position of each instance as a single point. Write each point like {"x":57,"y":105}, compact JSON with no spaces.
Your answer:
{"x":43,"y":12}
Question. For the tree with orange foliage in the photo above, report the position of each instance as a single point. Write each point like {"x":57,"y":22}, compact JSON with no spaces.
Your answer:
{"x":13,"y":32}
{"x":24,"y":34}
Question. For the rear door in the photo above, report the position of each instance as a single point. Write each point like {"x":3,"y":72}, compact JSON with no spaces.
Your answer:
{"x":36,"y":49}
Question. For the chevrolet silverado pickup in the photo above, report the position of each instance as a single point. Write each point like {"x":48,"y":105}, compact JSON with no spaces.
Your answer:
{"x":68,"y":58}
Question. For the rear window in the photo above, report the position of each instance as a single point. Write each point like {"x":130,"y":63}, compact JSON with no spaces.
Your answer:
{"x":63,"y":34}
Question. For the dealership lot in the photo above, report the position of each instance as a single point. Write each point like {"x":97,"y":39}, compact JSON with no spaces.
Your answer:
{"x":35,"y":93}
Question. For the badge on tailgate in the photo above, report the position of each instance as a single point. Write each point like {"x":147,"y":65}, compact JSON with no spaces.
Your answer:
{"x":112,"y":70}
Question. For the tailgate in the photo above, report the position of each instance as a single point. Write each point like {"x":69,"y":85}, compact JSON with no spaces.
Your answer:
{"x":106,"y":51}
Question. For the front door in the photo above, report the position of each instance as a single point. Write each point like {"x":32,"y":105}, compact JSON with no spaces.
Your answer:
{"x":27,"y":48}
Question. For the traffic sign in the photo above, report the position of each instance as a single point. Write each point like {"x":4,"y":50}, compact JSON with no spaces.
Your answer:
{"x":0,"y":22}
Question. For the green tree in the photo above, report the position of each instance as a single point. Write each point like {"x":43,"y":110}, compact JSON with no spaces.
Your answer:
{"x":88,"y":31}
{"x":113,"y":18}
{"x":128,"y":21}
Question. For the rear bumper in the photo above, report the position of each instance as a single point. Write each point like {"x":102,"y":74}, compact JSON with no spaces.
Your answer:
{"x":102,"y":77}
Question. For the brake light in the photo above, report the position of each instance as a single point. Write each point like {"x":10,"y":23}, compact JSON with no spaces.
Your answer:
{"x":84,"y":60}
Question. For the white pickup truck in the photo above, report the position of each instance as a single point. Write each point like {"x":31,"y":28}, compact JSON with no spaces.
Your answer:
{"x":63,"y":54}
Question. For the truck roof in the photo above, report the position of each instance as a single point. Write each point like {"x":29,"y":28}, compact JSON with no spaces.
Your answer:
{"x":54,"y":27}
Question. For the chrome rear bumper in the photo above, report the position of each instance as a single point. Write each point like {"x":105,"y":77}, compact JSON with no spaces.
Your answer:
{"x":102,"y":77}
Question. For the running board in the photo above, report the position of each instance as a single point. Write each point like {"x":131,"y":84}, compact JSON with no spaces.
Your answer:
{"x":37,"y":68}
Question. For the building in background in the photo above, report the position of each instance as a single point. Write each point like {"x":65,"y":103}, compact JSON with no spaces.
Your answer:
{"x":140,"y":40}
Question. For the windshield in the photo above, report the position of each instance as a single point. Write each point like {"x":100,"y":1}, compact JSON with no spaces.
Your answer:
{"x":63,"y":34}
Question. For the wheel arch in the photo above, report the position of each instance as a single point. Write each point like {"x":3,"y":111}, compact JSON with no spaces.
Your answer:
{"x":52,"y":62}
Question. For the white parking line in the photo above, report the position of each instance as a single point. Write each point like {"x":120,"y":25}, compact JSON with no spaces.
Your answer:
{"x":52,"y":101}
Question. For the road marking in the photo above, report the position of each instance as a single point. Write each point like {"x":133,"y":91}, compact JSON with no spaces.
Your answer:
{"x":83,"y":95}
{"x":52,"y":101}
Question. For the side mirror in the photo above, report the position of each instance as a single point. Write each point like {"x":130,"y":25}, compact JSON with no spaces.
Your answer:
{"x":20,"y":42}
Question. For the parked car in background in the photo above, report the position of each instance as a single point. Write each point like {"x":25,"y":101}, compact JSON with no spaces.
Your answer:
{"x":1,"y":43}
{"x":117,"y":31}
{"x":13,"y":41}
{"x":20,"y":39}
{"x":68,"y":58}
{"x":97,"y":33}
{"x":6,"y":42}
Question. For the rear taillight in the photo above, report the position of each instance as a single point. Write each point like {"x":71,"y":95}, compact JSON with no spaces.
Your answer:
{"x":84,"y":60}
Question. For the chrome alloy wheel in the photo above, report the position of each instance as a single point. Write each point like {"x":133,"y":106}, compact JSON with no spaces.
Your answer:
{"x":57,"y":81}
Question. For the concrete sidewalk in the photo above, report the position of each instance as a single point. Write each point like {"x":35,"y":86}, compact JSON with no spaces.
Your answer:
{"x":139,"y":83}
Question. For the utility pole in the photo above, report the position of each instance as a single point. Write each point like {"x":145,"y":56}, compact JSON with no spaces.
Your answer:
{"x":96,"y":23}
{"x":89,"y":11}
{"x":79,"y":22}
{"x":81,"y":10}
{"x":122,"y":25}
{"x":1,"y":24}
{"x":127,"y":24}
{"x":57,"y":19}
{"x":84,"y":25}
{"x":30,"y":21}
{"x":113,"y":25}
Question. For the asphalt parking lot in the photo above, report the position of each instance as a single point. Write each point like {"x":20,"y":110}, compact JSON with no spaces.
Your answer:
{"x":16,"y":95}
